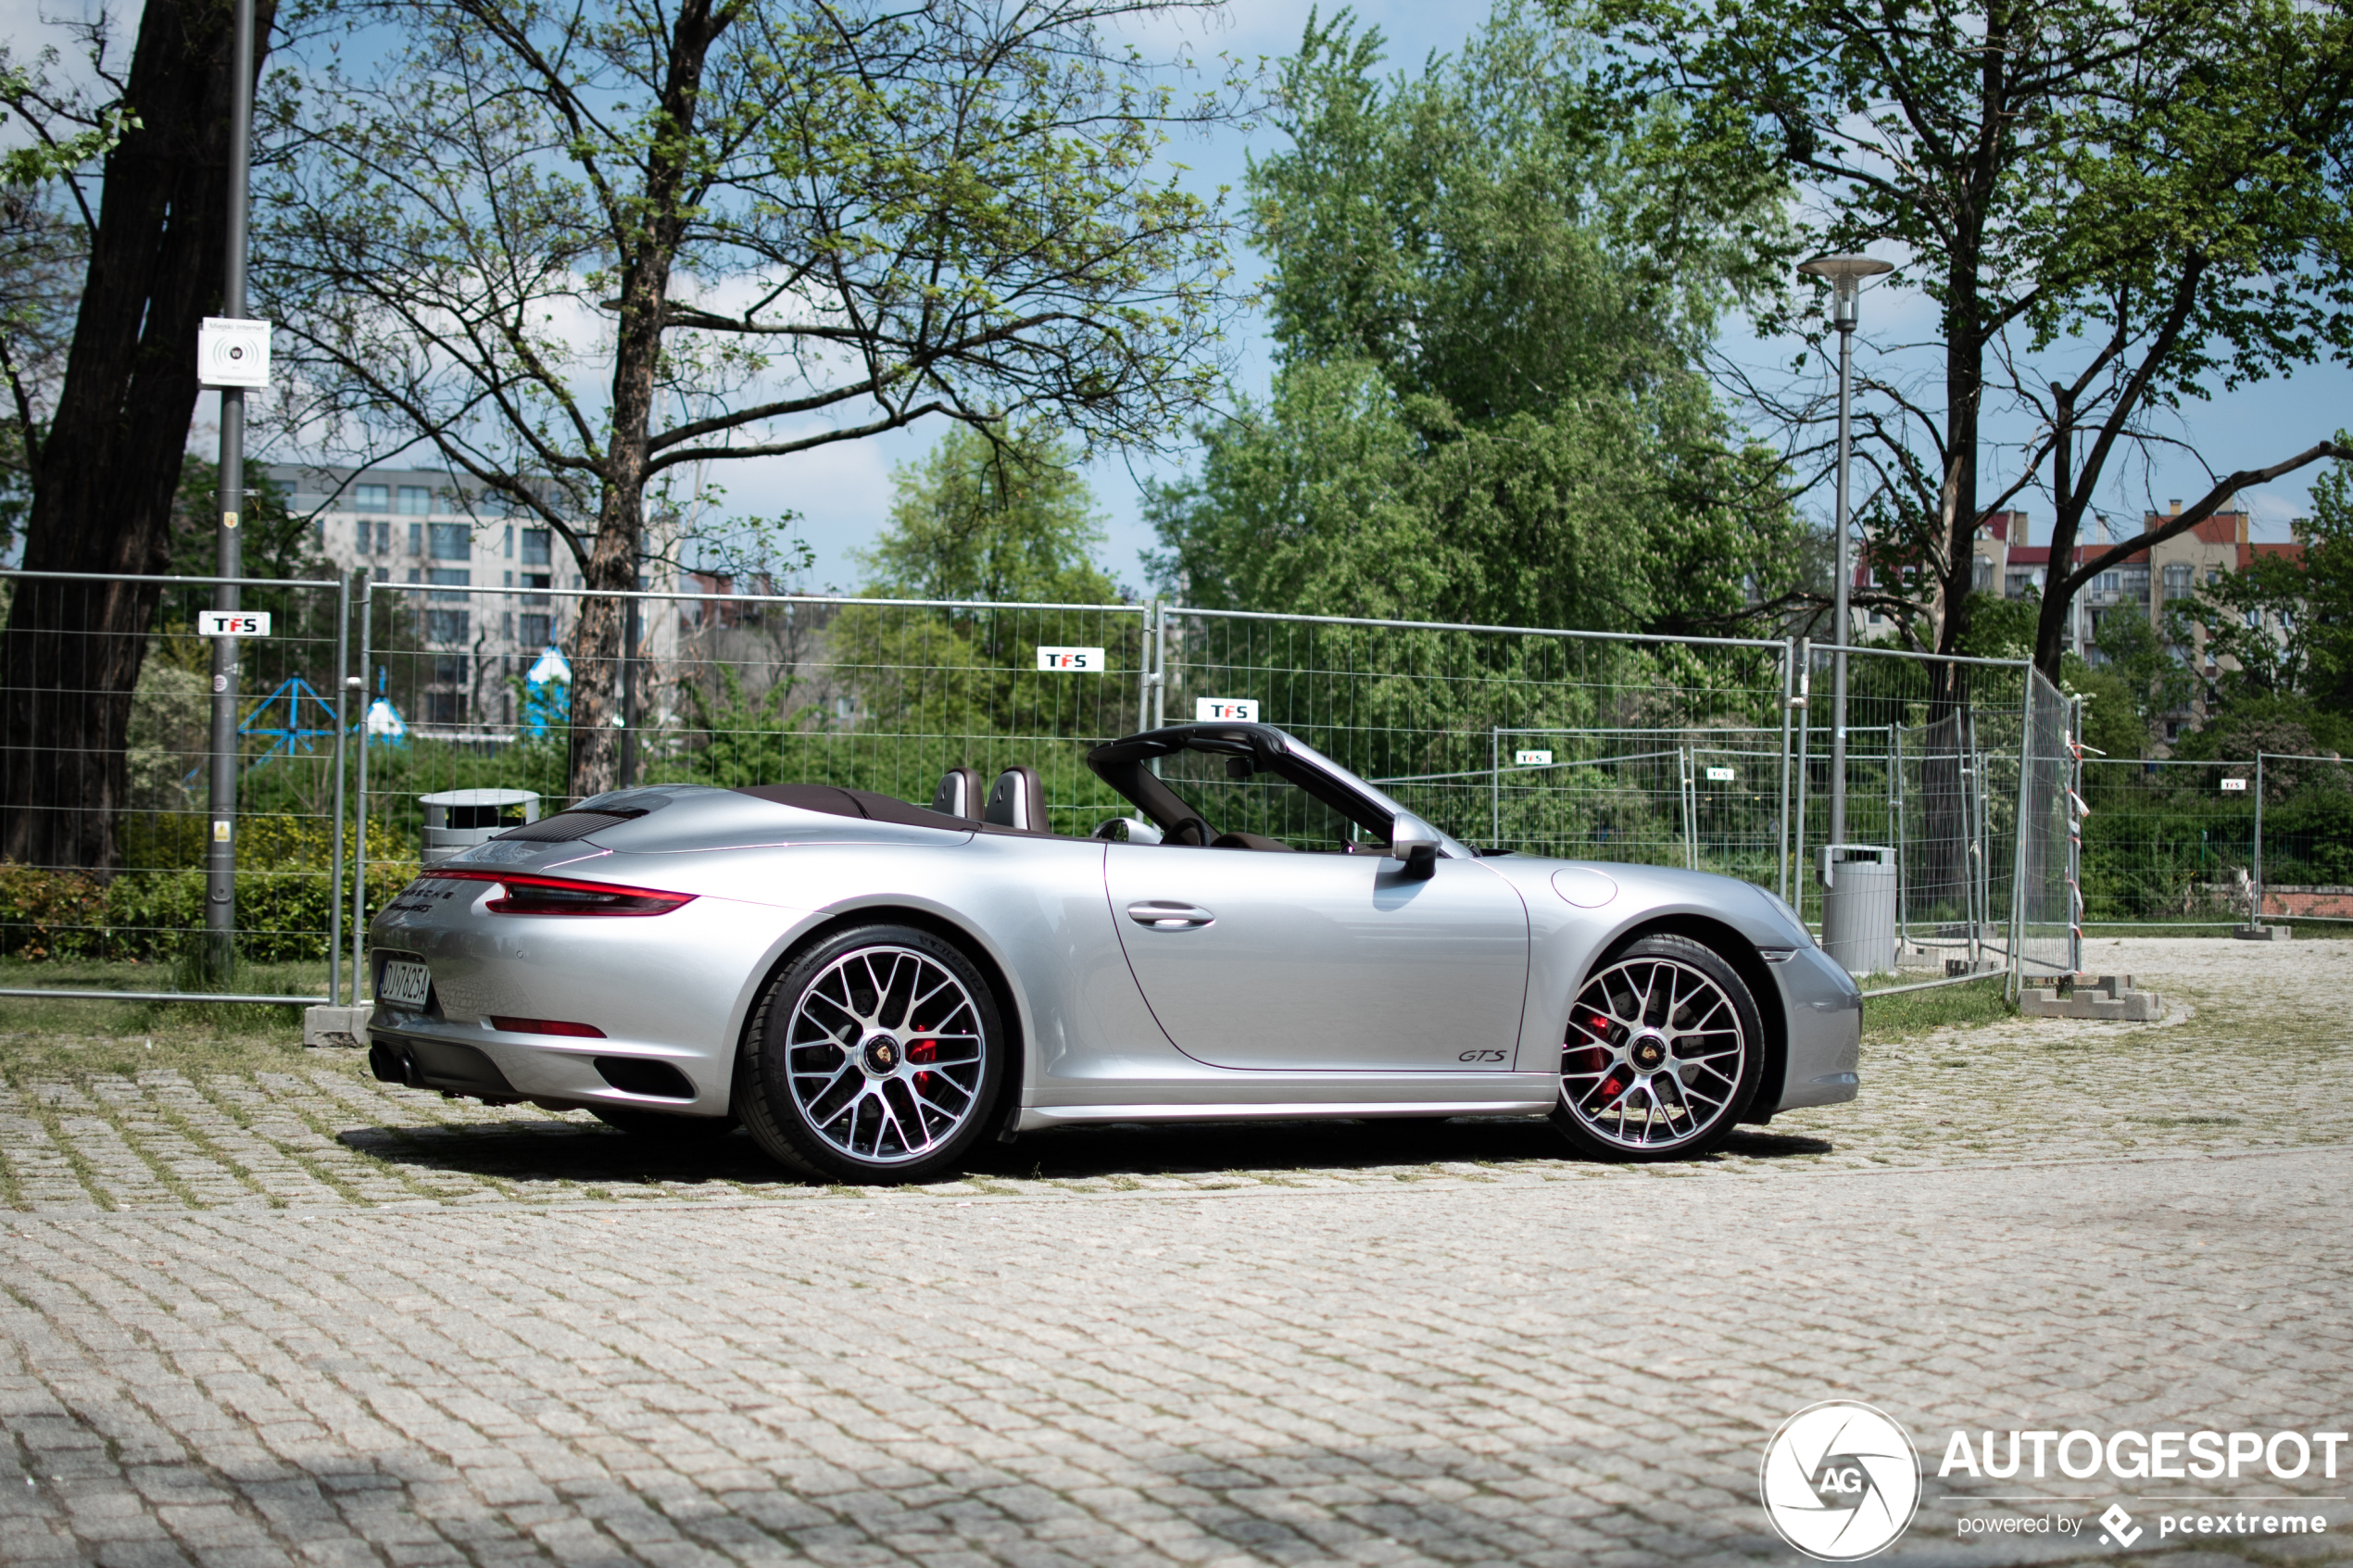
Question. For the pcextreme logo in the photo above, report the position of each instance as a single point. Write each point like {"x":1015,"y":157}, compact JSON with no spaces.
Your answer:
{"x":1840,"y":1481}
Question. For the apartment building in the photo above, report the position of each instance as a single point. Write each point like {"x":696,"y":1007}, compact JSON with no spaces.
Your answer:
{"x":2142,"y":584}
{"x":473,"y":574}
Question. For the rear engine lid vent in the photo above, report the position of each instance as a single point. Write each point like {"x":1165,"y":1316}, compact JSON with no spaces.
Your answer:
{"x":565,"y":826}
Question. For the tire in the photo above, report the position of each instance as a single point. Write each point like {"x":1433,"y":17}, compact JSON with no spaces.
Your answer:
{"x":663,"y":1126}
{"x":874,"y":1057}
{"x":1666,"y":1030}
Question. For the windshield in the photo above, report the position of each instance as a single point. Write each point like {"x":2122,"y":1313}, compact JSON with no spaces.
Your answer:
{"x":1267,"y":805}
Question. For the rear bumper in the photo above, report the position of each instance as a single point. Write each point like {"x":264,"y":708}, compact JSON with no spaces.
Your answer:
{"x":466,"y":1059}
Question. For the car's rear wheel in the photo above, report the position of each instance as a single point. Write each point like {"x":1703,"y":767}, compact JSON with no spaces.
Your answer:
{"x":873,"y":1057}
{"x":1664,"y":1052}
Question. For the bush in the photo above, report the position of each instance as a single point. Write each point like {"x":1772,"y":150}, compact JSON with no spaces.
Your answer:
{"x":149,"y":912}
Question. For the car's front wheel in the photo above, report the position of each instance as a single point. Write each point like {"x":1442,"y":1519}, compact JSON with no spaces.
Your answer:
{"x":873,"y":1057}
{"x":1664,"y":1052}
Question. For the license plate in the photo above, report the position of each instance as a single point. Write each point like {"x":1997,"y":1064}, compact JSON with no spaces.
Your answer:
{"x":404,"y":983}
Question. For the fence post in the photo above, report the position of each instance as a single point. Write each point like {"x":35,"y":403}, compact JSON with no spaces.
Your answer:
{"x":1495,"y":786}
{"x":1144,"y":665}
{"x":1160,"y":666}
{"x":1895,"y":820}
{"x":1684,"y":786}
{"x":2076,"y":810}
{"x":2018,"y":861}
{"x":360,"y":812}
{"x":334,"y":828}
{"x":2255,"y":908}
{"x":1805,"y":718}
{"x":1789,"y":700}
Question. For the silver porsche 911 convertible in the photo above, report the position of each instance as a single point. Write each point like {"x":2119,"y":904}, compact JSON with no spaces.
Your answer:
{"x":871,"y":987}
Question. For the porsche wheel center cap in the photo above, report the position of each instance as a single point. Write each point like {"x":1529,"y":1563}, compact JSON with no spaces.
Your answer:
{"x":1648,"y":1052}
{"x":883,"y":1054}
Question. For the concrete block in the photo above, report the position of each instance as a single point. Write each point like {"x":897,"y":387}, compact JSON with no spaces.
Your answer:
{"x":345,"y":1027}
{"x":2263,"y":932}
{"x":2036,"y":1003}
{"x":2143,"y":1006}
{"x":2101,"y":1006}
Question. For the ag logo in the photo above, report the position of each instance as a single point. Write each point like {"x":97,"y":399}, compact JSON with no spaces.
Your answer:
{"x":1840,"y":1481}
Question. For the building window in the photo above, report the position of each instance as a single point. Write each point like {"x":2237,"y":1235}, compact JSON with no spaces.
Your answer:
{"x":416,"y":538}
{"x":372,"y":498}
{"x":2017,"y":585}
{"x":415,"y":500}
{"x":2177,"y":581}
{"x":367,"y":532}
{"x":449,"y":669}
{"x":446,"y":577}
{"x":452,"y":541}
{"x":537,"y":630}
{"x":1983,"y":581}
{"x":535,"y":580}
{"x":444,"y":707}
{"x":510,"y":541}
{"x":2213,"y":575}
{"x":535,"y":546}
{"x":448,"y":625}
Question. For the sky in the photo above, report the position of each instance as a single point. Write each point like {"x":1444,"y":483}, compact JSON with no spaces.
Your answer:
{"x":842,"y":493}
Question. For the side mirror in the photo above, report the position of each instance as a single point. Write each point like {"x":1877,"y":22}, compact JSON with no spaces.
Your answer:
{"x":1414,"y":842}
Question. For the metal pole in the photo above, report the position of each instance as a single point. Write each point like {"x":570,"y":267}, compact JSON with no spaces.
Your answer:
{"x":360,"y":804}
{"x":1685,"y":760}
{"x":1843,"y":317}
{"x":1144,"y":667}
{"x":2255,"y":910}
{"x":629,"y":698}
{"x":1804,"y":742}
{"x":2075,"y":836}
{"x":1903,"y":856}
{"x":334,"y":831}
{"x":1789,"y":701}
{"x":221,"y":849}
{"x":1495,"y":785}
{"x":2017,"y":981}
{"x":1160,"y":665}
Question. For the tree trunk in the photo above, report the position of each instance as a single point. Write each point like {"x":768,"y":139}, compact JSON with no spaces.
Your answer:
{"x":103,"y":482}
{"x":612,"y":566}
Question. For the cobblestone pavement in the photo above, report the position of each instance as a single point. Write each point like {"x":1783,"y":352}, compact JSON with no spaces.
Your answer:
{"x":329,"y":1134}
{"x":293,"y":1318}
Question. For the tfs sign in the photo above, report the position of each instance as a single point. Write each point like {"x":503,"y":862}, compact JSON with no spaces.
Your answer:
{"x":1072,"y":661}
{"x":1228,"y":710}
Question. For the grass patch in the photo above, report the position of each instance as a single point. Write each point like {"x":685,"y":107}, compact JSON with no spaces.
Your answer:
{"x":1916,"y":1012}
{"x":172,"y":1025}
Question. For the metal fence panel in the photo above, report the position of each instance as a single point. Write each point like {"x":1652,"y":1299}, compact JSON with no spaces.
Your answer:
{"x":1650,"y":750}
{"x":103,"y":886}
{"x":470,"y":687}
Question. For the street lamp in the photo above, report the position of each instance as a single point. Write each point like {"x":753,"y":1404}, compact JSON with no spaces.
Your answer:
{"x":1845,"y":274}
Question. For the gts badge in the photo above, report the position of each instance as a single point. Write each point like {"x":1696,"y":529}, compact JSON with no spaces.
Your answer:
{"x":1480,"y":1056}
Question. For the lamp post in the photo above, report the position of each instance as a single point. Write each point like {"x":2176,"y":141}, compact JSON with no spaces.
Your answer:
{"x":1845,"y":274}
{"x":221,"y":851}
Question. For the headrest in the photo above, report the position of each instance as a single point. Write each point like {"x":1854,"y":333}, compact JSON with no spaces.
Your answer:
{"x":1017,"y":800}
{"x":959,"y":794}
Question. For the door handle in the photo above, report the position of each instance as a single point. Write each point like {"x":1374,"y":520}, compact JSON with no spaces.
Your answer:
{"x":1159,"y":914}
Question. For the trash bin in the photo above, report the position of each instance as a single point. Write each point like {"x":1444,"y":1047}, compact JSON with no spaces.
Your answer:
{"x":1858,"y":908}
{"x":457,"y":820}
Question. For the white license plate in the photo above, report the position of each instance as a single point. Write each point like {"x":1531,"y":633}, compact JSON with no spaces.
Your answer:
{"x":404,"y":983}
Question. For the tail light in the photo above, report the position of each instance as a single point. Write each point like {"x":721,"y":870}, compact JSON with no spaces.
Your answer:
{"x":562,"y":896}
{"x":545,"y":1026}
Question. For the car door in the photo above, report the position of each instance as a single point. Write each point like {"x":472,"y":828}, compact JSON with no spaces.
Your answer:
{"x":1261,"y":959}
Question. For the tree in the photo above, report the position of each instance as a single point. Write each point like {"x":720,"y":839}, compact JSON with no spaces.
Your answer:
{"x":2160,"y":189}
{"x":982,"y":517}
{"x":2283,"y":626}
{"x":586,"y":253}
{"x":104,"y":457}
{"x":1487,"y":327}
